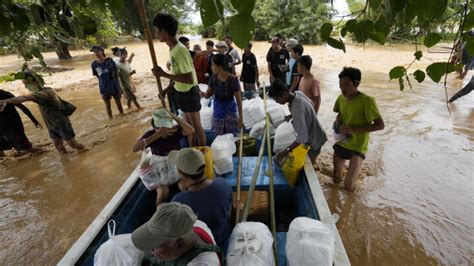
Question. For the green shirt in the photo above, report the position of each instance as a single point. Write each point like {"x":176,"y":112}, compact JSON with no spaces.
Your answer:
{"x":357,"y":112}
{"x":182,"y":63}
{"x":124,"y":70}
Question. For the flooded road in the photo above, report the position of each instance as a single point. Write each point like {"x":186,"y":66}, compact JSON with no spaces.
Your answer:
{"x":414,"y":204}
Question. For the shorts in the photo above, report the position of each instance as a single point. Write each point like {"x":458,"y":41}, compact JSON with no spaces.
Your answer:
{"x":107,"y":97}
{"x":345,"y":153}
{"x":16,"y":140}
{"x":63,"y":131}
{"x":190,"y":101}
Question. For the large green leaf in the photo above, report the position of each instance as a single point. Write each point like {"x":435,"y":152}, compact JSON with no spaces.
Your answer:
{"x":338,"y":44}
{"x":351,"y":24}
{"x":397,"y":5}
{"x":470,"y":46}
{"x":431,"y":39}
{"x":379,"y":37}
{"x":19,"y":17}
{"x":469,"y":22}
{"x":397,"y":72}
{"x":241,"y":28}
{"x":209,"y":13}
{"x":419,"y":75}
{"x":115,"y":4}
{"x":375,"y":4}
{"x":418,"y":55}
{"x":326,"y":30}
{"x":436,"y":70}
{"x":243,"y":6}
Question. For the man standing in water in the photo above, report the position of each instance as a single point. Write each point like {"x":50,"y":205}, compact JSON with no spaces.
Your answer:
{"x":357,"y":116}
{"x":52,"y":110}
{"x":277,"y":59}
{"x":183,"y":75}
{"x":12,"y":132}
{"x":105,"y":70}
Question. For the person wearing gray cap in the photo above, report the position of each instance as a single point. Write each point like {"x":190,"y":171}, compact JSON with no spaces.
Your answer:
{"x":210,"y":199}
{"x":174,"y":236}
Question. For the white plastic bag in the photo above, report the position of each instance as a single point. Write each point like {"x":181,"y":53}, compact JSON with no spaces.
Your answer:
{"x":118,"y":250}
{"x":156,"y":170}
{"x":284,"y":135}
{"x":251,"y":243}
{"x":309,"y":242}
{"x":223,"y":147}
{"x":259,"y":128}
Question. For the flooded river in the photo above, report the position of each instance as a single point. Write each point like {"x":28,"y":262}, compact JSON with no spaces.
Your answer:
{"x":414,"y":204}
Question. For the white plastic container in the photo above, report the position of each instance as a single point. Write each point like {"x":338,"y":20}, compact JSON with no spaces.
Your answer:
{"x":284,"y":135}
{"x":250,"y":244}
{"x":309,"y":242}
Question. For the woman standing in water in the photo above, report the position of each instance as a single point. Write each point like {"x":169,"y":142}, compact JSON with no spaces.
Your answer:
{"x":125,"y":72}
{"x":228,"y":98}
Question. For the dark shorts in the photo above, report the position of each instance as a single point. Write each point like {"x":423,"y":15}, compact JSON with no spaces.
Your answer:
{"x":17,"y":140}
{"x":190,"y":101}
{"x":107,"y":97}
{"x":346,"y":154}
{"x":63,"y":131}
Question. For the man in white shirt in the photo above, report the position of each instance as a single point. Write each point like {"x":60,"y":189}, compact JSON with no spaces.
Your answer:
{"x":174,"y":235}
{"x":233,"y":53}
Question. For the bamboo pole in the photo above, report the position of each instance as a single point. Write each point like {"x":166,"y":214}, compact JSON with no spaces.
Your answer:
{"x":146,"y":30}
{"x":270,"y":175}
{"x":239,"y":175}
{"x":253,"y":182}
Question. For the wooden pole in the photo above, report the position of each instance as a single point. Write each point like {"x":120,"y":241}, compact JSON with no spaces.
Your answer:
{"x":146,"y":30}
{"x":270,"y":175}
{"x":253,"y":182}
{"x":239,"y":176}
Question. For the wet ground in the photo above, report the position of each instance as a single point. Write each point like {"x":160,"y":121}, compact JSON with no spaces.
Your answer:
{"x":414,"y":204}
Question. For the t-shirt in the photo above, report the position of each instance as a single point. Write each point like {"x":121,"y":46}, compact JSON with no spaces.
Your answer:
{"x":161,"y":146}
{"x":306,"y":124}
{"x":310,"y":87}
{"x":49,"y":105}
{"x":356,"y":112}
{"x":10,"y":120}
{"x":182,"y":63}
{"x":124,"y":70}
{"x":278,"y":61}
{"x":235,"y":55}
{"x":224,"y":90}
{"x":107,"y":74}
{"x":212,"y":205}
{"x":249,"y":64}
{"x":205,"y":258}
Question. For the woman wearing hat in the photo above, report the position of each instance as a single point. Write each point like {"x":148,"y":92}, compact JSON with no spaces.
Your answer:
{"x":228,"y":99}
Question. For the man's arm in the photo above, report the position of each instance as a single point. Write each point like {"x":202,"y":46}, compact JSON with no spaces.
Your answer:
{"x":294,"y":84}
{"x":18,"y":100}
{"x":317,"y":103}
{"x":159,"y":133}
{"x":187,"y":128}
{"x":377,"y":124}
{"x":130,"y":58}
{"x":183,"y":78}
{"x":28,"y":113}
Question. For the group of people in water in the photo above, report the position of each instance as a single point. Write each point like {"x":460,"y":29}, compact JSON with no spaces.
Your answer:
{"x":189,"y":230}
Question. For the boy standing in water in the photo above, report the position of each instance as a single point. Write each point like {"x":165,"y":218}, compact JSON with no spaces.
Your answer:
{"x":249,"y":74}
{"x":105,"y":70}
{"x":183,"y":75}
{"x":308,"y":84}
{"x":52,"y":110}
{"x":293,"y":77}
{"x":357,"y":116}
{"x":125,"y":72}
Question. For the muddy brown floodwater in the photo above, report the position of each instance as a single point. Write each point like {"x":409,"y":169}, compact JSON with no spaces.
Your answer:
{"x":414,"y":202}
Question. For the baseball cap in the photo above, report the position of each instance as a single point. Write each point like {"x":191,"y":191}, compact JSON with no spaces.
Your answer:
{"x":170,"y":221}
{"x":161,"y":118}
{"x":291,"y":43}
{"x":221,"y":44}
{"x":188,"y":160}
{"x":97,"y":48}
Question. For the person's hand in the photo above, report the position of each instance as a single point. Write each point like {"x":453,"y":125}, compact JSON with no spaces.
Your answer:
{"x":346,"y":130}
{"x":133,"y":72}
{"x":165,"y":132}
{"x":158,"y":71}
{"x":38,"y":125}
{"x":288,"y":118}
{"x":240,"y":123}
{"x":168,"y":65}
{"x":132,"y":54}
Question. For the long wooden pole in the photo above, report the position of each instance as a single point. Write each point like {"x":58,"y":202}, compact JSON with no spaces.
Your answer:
{"x":253,"y":182}
{"x":239,"y":176}
{"x":270,"y":175}
{"x":146,"y":30}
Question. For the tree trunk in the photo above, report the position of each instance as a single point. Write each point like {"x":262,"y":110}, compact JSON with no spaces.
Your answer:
{"x":62,"y":50}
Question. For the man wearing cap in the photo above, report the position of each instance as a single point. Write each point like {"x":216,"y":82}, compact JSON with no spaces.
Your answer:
{"x":183,"y":79}
{"x":174,"y":236}
{"x":106,"y":71}
{"x":210,"y":199}
{"x":277,"y":59}
{"x":249,"y":74}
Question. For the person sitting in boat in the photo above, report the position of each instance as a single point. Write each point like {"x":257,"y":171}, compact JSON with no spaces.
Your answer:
{"x":228,"y":98}
{"x":174,"y":236}
{"x":163,"y":138}
{"x":306,"y":124}
{"x":210,"y":199}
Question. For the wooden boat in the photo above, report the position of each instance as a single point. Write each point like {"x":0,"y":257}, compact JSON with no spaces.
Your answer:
{"x":133,"y":205}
